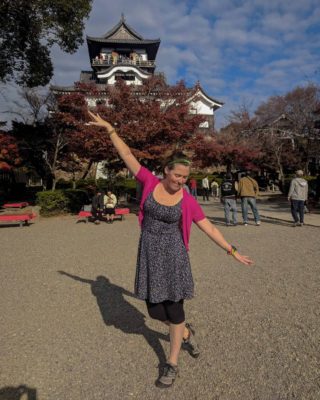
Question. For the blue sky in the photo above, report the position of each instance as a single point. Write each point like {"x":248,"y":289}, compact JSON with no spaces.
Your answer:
{"x":240,"y":51}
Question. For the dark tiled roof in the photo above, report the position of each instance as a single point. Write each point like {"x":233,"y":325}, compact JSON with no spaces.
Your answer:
{"x":193,"y":91}
{"x":56,"y":88}
{"x":86,"y":76}
{"x":122,"y":24}
{"x":128,"y":41}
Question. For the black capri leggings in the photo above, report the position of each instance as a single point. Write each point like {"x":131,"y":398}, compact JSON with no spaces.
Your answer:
{"x":167,"y":311}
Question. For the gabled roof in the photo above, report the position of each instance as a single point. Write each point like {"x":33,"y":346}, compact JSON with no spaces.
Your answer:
{"x":281,"y":118}
{"x":197,"y":92}
{"x":122,"y":33}
{"x":122,"y":27}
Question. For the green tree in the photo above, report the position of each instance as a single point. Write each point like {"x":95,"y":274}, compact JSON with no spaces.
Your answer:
{"x":28,"y":29}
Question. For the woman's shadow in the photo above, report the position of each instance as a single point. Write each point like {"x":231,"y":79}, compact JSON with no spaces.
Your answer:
{"x":116,"y":311}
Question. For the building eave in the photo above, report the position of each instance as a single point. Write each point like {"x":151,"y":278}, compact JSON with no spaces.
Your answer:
{"x":65,"y":89}
{"x":199,"y":92}
{"x":126,"y":41}
{"x":113,"y":69}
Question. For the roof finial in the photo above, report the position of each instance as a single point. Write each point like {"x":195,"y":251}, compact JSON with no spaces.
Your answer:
{"x":123,"y":18}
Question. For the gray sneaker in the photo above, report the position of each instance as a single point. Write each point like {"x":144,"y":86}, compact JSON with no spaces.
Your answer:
{"x":169,"y":374}
{"x":190,"y":344}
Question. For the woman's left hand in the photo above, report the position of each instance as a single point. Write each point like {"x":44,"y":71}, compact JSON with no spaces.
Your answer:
{"x":243,"y":259}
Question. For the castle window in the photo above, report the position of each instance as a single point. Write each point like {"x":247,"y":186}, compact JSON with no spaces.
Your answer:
{"x":125,"y":77}
{"x":100,"y":102}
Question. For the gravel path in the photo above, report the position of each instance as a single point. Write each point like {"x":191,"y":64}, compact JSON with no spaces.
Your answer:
{"x":71,"y":328}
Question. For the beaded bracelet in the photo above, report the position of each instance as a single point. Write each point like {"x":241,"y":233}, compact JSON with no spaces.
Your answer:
{"x":232,"y":250}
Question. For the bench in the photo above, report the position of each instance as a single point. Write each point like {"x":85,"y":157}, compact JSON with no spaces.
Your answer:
{"x":121,"y":212}
{"x":21,"y":218}
{"x":22,"y":204}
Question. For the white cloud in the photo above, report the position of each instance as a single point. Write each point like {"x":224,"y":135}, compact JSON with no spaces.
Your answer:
{"x":235,"y":48}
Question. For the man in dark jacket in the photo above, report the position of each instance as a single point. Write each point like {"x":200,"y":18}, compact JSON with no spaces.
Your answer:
{"x":228,"y":198}
{"x":97,"y":207}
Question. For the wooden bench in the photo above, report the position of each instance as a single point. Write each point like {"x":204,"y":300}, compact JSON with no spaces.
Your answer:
{"x":20,"y":218}
{"x":120,"y":212}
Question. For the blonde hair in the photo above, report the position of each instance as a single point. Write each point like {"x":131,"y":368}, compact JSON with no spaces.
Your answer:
{"x":177,"y":158}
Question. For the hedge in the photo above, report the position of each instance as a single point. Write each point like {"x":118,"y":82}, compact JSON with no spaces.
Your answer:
{"x":61,"y":201}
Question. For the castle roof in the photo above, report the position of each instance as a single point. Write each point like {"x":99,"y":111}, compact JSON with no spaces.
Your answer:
{"x":197,"y":93}
{"x":123,"y":35}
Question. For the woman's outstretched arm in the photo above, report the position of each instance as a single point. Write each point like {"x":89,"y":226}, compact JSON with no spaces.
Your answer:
{"x":123,"y":150}
{"x":214,"y":234}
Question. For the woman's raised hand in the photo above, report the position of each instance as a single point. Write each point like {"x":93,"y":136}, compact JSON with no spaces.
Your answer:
{"x":98,"y":121}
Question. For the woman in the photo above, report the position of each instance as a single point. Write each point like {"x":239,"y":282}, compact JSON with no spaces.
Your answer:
{"x":110,"y":202}
{"x":163,"y":277}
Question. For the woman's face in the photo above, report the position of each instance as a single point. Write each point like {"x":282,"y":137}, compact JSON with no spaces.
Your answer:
{"x":176,"y":177}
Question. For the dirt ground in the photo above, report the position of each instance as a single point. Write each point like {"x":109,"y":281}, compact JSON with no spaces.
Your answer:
{"x":72,"y":329}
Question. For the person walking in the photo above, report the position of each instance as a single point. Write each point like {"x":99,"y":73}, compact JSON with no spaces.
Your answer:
{"x":205,"y":188}
{"x":163,"y":275}
{"x":248,"y":191}
{"x":215,"y":189}
{"x":110,"y":202}
{"x":228,"y":198}
{"x":298,"y":195}
{"x":193,"y":187}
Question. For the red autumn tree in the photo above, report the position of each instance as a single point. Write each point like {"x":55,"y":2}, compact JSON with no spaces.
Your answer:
{"x":153,"y":119}
{"x":9,"y":151}
{"x":227,"y":150}
{"x":85,"y":144}
{"x":231,"y":147}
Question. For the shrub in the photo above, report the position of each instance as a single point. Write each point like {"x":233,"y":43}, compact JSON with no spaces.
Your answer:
{"x":76,"y":199}
{"x":61,"y":201}
{"x":86,"y":183}
{"x":52,"y":203}
{"x":63,"y":184}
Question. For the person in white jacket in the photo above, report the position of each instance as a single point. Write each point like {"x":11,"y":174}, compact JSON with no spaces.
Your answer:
{"x":110,"y":202}
{"x":298,"y":195}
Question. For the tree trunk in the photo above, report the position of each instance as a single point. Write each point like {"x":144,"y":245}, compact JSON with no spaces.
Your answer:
{"x":95,"y":171}
{"x":281,"y":175}
{"x":87,"y":169}
{"x":54,"y":183}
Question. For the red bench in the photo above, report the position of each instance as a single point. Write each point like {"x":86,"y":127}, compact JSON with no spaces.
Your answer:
{"x":16,"y":205}
{"x":21,"y":218}
{"x":121,"y":212}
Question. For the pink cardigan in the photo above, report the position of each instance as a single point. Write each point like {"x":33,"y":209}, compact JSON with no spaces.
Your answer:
{"x":191,"y":210}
